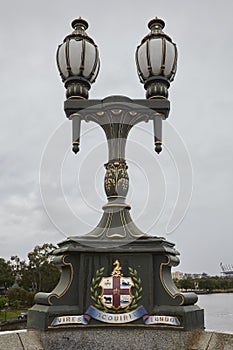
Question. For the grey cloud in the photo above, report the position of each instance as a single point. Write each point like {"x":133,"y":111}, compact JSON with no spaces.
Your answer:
{"x":32,"y":108}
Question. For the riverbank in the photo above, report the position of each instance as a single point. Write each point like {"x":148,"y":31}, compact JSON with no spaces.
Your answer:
{"x":214,"y":291}
{"x":206,"y":291}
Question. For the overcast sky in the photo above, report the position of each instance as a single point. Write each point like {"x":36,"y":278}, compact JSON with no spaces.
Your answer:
{"x":36,"y":137}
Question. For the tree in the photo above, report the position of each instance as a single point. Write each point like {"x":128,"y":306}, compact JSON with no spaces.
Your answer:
{"x":19,"y":268}
{"x":19,"y":296}
{"x":187,"y":283}
{"x":15,"y":304}
{"x":15,"y":293}
{"x":6,"y":274}
{"x":44,"y":274}
{"x":3,"y":302}
{"x":39,"y":273}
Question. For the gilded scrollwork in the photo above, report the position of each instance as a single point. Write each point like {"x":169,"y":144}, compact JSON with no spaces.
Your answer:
{"x":116,"y":181}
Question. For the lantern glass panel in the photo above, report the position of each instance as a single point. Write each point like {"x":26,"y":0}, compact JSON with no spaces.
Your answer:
{"x":142,"y":61}
{"x":170,"y":57}
{"x":75,"y":55}
{"x":62,"y":60}
{"x":155,"y":46}
{"x":89,"y":62}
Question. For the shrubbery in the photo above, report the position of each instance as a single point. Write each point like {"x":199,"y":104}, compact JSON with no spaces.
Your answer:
{"x":208,"y":283}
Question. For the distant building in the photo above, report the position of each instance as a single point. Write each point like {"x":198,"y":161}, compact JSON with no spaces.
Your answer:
{"x":177,"y":275}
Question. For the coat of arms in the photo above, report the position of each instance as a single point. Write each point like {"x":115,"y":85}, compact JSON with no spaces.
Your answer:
{"x":116,"y":300}
{"x":118,"y":293}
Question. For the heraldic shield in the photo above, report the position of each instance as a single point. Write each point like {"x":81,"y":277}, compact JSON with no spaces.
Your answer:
{"x":116,"y":289}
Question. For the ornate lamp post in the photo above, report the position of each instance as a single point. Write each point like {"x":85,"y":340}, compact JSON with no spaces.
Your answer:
{"x":139,"y":289}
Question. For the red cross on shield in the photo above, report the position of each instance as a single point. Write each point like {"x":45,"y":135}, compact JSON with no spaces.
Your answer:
{"x":116,"y":291}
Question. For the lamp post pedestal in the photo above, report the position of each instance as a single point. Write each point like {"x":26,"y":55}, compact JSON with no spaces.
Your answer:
{"x":87,"y":265}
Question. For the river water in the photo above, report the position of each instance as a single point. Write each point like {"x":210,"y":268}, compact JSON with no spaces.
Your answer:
{"x":218,"y":311}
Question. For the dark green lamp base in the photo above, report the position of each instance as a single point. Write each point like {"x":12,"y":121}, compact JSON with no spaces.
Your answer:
{"x":144,"y":297}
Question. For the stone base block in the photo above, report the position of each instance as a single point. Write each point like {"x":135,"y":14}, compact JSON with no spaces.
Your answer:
{"x":106,"y":339}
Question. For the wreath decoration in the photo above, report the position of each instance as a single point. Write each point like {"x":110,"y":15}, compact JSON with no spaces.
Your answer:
{"x":94,"y":287}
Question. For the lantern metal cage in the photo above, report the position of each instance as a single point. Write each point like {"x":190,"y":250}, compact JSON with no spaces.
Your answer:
{"x":156,"y":60}
{"x":78,"y":60}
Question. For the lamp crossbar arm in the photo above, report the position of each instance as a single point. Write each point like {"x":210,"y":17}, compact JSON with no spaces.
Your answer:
{"x":117,"y":115}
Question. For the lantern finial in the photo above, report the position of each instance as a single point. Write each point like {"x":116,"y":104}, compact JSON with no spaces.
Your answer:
{"x":156,"y":23}
{"x":79,"y":22}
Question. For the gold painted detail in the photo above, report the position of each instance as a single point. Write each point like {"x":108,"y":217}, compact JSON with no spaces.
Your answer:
{"x":134,"y":325}
{"x":154,"y":97}
{"x":111,"y":233}
{"x":175,"y":295}
{"x":126,"y":206}
{"x":116,"y":182}
{"x":116,"y":111}
{"x":105,"y":228}
{"x":133,"y":113}
{"x":80,"y":97}
{"x":71,"y":277}
{"x":75,"y":115}
{"x":116,"y":286}
{"x":157,"y":89}
{"x":117,"y":270}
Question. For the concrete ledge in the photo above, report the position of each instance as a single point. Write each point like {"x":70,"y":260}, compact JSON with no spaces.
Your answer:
{"x":116,"y":338}
{"x":211,"y":341}
{"x":20,"y":340}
